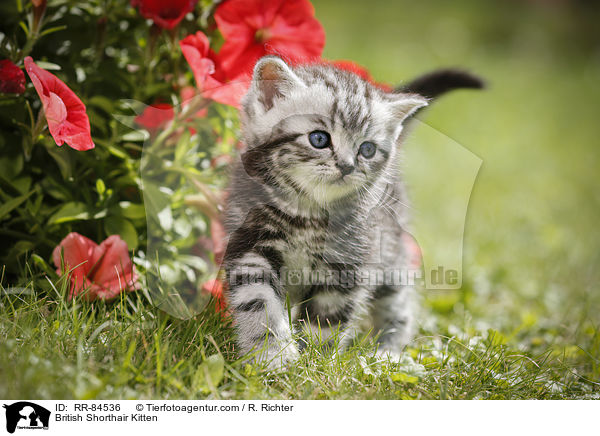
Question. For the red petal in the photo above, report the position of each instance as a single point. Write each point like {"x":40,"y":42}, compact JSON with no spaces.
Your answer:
{"x":208,"y":74}
{"x":56,"y":97}
{"x":12,"y":78}
{"x":238,"y":59}
{"x":155,"y":116}
{"x":215,"y":288}
{"x":113,"y":269}
{"x":56,"y":115}
{"x":229,"y":93}
{"x":166,"y":14}
{"x":195,"y":50}
{"x":239,"y":19}
{"x":75,"y":249}
{"x":288,"y":26}
{"x":77,"y":252}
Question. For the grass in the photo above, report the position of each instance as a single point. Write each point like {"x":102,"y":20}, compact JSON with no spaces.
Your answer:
{"x":525,"y":323}
{"x":55,"y":348}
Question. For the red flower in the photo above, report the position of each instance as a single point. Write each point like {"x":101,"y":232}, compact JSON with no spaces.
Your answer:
{"x":155,"y":116}
{"x":65,"y":113}
{"x":254,"y":28}
{"x":97,"y":271}
{"x":165,"y":13}
{"x":12,"y":79}
{"x":209,"y":76}
{"x":215,"y":288}
{"x":361,"y":72}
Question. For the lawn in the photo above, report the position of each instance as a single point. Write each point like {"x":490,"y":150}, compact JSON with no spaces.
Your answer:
{"x":526,"y":322}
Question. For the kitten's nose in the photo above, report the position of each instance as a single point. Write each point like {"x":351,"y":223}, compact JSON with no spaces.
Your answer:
{"x":345,"y":167}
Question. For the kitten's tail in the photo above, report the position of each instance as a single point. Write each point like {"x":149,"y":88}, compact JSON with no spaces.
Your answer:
{"x":436,"y":83}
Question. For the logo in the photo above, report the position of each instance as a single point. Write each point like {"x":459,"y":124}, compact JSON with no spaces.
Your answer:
{"x":26,"y":415}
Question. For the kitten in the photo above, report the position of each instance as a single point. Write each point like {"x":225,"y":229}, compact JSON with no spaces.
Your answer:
{"x":316,"y":204}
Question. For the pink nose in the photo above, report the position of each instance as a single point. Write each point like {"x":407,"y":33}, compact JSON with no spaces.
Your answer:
{"x":345,"y":168}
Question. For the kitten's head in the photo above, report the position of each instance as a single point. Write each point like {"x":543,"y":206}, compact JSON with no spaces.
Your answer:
{"x":319,"y":132}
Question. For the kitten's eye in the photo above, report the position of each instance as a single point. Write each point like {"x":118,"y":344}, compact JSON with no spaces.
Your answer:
{"x":367,"y":149}
{"x":319,"y":139}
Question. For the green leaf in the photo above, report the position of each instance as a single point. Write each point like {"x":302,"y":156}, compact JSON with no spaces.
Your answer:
{"x":154,"y":199}
{"x":132,"y":210}
{"x":116,"y":225}
{"x":62,"y":158}
{"x":12,"y":204}
{"x":41,"y":263}
{"x":136,"y":136}
{"x":22,"y":184}
{"x":11,"y":166}
{"x":72,"y":211}
{"x":9,"y":187}
{"x":20,"y":248}
{"x":24,"y":27}
{"x":48,"y":65}
{"x":209,"y":374}
{"x":114,"y":150}
{"x":52,"y":30}
{"x":35,"y":205}
{"x":165,"y":218}
{"x":100,"y":214}
{"x":183,"y":146}
{"x":103,"y":103}
{"x":55,"y":189}
{"x":193,"y":261}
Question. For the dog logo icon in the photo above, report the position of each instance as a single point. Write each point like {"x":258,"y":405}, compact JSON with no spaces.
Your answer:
{"x":26,"y":415}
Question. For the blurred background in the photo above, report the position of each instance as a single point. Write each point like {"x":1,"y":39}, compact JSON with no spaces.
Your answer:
{"x":531,"y":246}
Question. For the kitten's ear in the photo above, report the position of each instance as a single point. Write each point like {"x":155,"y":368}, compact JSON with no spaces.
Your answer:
{"x":273,"y":78}
{"x":404,"y":105}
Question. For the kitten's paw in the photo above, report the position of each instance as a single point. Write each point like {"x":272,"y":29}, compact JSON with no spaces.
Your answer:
{"x":282,"y":358}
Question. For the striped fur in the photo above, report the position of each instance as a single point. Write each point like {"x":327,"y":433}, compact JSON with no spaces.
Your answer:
{"x":291,"y":210}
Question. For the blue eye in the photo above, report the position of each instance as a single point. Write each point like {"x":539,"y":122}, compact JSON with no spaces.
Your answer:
{"x":319,"y":139}
{"x":367,"y":149}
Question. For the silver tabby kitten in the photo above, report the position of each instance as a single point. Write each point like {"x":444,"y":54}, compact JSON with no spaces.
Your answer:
{"x":316,"y":205}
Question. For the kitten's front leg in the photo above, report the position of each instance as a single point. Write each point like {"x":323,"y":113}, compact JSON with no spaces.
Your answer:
{"x":354,"y":311}
{"x":259,"y":311}
{"x":393,"y":316}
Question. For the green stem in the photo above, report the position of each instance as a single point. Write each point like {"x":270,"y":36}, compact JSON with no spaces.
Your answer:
{"x":36,"y":22}
{"x":153,"y":34}
{"x":100,"y":40}
{"x":36,"y":131}
{"x":175,"y":57}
